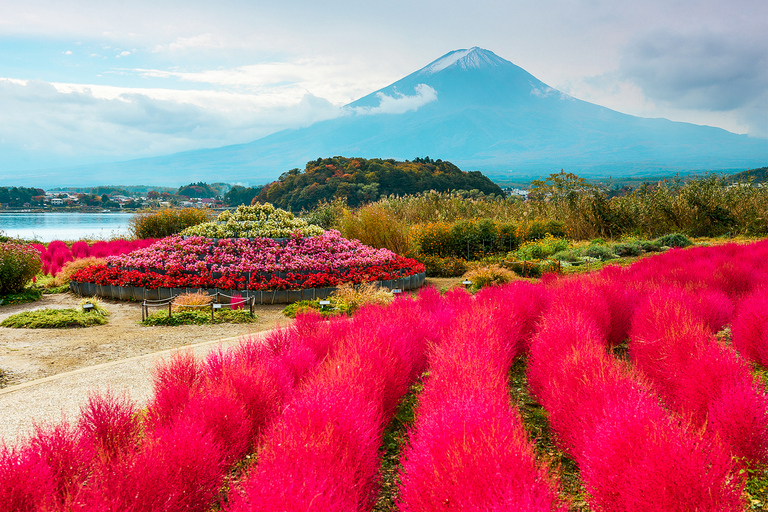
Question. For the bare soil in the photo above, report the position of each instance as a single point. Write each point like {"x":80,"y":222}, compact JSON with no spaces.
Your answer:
{"x":28,"y":354}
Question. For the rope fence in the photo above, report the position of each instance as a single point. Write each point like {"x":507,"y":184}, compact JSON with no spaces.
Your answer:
{"x":215,"y":304}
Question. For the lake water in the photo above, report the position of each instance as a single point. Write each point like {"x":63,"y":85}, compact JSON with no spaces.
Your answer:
{"x":49,"y":226}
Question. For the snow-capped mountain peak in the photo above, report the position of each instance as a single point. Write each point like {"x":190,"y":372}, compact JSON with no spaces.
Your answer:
{"x":465,"y":59}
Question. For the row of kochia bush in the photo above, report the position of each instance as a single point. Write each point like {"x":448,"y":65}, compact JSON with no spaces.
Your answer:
{"x":669,"y":429}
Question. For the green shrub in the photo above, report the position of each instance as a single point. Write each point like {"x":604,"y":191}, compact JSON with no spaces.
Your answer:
{"x":28,"y":295}
{"x":530,"y":268}
{"x":19,"y":263}
{"x":674,"y":240}
{"x":540,"y":249}
{"x":567,"y":255}
{"x":166,"y":222}
{"x":539,"y":228}
{"x":327,"y":214}
{"x":600,"y":252}
{"x":54,"y":319}
{"x":649,"y":245}
{"x":221,"y":316}
{"x":346,"y":299}
{"x":468,"y":239}
{"x":627,"y":249}
{"x":303,"y":306}
{"x":443,"y":267}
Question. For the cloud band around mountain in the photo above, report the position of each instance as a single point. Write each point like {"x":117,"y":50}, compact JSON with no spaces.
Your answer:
{"x":400,"y":103}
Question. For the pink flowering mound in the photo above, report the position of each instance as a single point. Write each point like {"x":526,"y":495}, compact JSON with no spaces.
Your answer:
{"x":251,"y":263}
{"x":58,"y":253}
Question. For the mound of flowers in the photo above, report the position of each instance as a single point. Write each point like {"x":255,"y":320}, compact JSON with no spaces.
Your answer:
{"x":256,"y":221}
{"x":251,"y":264}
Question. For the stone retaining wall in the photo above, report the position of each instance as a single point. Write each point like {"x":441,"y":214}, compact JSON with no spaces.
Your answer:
{"x":262,"y":296}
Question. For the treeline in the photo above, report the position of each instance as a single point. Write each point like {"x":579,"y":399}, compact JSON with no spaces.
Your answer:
{"x":563,"y":205}
{"x":18,"y":196}
{"x":360,"y":181}
{"x":755,"y":175}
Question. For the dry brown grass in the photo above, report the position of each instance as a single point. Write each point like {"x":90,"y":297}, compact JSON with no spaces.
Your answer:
{"x":489,"y":275}
{"x":190,"y":302}
{"x":366,"y":293}
{"x":71,"y":267}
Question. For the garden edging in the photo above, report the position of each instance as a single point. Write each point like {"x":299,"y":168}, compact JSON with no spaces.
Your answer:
{"x":141,"y":293}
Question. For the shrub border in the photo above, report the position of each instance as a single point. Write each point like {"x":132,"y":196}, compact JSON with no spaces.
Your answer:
{"x":141,"y":293}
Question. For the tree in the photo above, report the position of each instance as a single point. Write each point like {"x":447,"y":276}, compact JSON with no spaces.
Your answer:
{"x":561,"y":185}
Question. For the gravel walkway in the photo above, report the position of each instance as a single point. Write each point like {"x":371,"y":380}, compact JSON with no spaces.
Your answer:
{"x":49,"y":398}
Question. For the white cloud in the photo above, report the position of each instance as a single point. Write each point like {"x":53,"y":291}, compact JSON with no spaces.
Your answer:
{"x":119,"y":123}
{"x":337,"y":81}
{"x":400,"y":103}
{"x":202,"y":41}
{"x":68,"y":52}
{"x":122,"y":54}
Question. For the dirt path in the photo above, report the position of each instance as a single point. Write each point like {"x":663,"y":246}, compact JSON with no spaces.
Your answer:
{"x":28,"y":354}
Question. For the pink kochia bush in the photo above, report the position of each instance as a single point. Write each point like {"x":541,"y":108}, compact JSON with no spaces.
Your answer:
{"x":204,"y":417}
{"x":323,"y":452}
{"x":633,"y":455}
{"x":699,"y":377}
{"x":57,"y":253}
{"x":468,"y":448}
{"x":750,"y":327}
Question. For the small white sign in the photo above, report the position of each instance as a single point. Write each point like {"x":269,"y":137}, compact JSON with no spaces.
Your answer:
{"x":325,"y":303}
{"x":397,"y":291}
{"x":466,"y":282}
{"x":217,"y":306}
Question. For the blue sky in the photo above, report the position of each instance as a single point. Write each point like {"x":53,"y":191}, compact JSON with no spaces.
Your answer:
{"x":88,"y":81}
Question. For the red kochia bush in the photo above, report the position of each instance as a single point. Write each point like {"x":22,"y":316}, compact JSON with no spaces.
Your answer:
{"x":111,"y":423}
{"x":632,"y":455}
{"x":468,"y":449}
{"x":180,"y":467}
{"x":58,"y":253}
{"x":322,"y":454}
{"x":750,"y":327}
{"x":47,"y":471}
{"x":699,"y":377}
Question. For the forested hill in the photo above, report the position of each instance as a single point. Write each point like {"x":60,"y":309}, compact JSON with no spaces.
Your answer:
{"x":361,"y":180}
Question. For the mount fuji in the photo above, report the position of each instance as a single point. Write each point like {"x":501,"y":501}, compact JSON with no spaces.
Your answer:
{"x":471,"y":107}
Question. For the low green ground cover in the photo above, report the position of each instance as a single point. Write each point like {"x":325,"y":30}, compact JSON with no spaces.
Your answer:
{"x":24,"y":296}
{"x":59,"y":318}
{"x":222,"y":316}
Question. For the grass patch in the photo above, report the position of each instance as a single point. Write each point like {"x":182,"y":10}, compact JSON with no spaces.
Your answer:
{"x":56,"y":289}
{"x":756,"y":489}
{"x":395,"y":439}
{"x":222,"y":316}
{"x":536,"y":423}
{"x":54,"y":319}
{"x":346,"y":299}
{"x":336,"y":307}
{"x":28,"y":295}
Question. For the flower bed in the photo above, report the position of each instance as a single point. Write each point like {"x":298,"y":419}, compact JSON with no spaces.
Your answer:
{"x":256,"y":265}
{"x":259,"y":220}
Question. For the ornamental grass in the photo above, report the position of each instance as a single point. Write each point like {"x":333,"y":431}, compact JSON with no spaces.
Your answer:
{"x":196,"y":301}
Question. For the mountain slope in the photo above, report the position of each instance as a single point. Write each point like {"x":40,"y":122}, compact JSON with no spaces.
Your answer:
{"x":474,"y":109}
